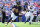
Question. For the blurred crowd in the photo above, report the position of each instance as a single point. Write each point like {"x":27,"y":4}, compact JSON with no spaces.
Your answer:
{"x":24,"y":5}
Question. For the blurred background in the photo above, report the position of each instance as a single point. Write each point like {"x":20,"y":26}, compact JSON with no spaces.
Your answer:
{"x":10,"y":3}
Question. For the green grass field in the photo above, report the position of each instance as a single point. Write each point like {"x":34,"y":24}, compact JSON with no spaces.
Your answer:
{"x":21,"y":24}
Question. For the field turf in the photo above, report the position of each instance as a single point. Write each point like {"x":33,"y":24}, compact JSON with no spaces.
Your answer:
{"x":21,"y":24}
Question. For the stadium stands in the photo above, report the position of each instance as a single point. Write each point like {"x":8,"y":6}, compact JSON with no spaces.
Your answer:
{"x":7,"y":4}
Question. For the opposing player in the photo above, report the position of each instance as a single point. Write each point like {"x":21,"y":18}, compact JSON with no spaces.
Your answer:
{"x":30,"y":13}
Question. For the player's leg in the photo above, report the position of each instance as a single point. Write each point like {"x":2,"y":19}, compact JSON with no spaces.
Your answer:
{"x":31,"y":18}
{"x":12,"y":19}
{"x":26,"y":18}
{"x":6,"y":18}
{"x":3,"y":18}
{"x":34,"y":19}
{"x":8,"y":21}
{"x":37,"y":20}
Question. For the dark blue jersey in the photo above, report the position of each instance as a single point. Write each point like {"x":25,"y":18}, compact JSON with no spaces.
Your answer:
{"x":19,"y":9}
